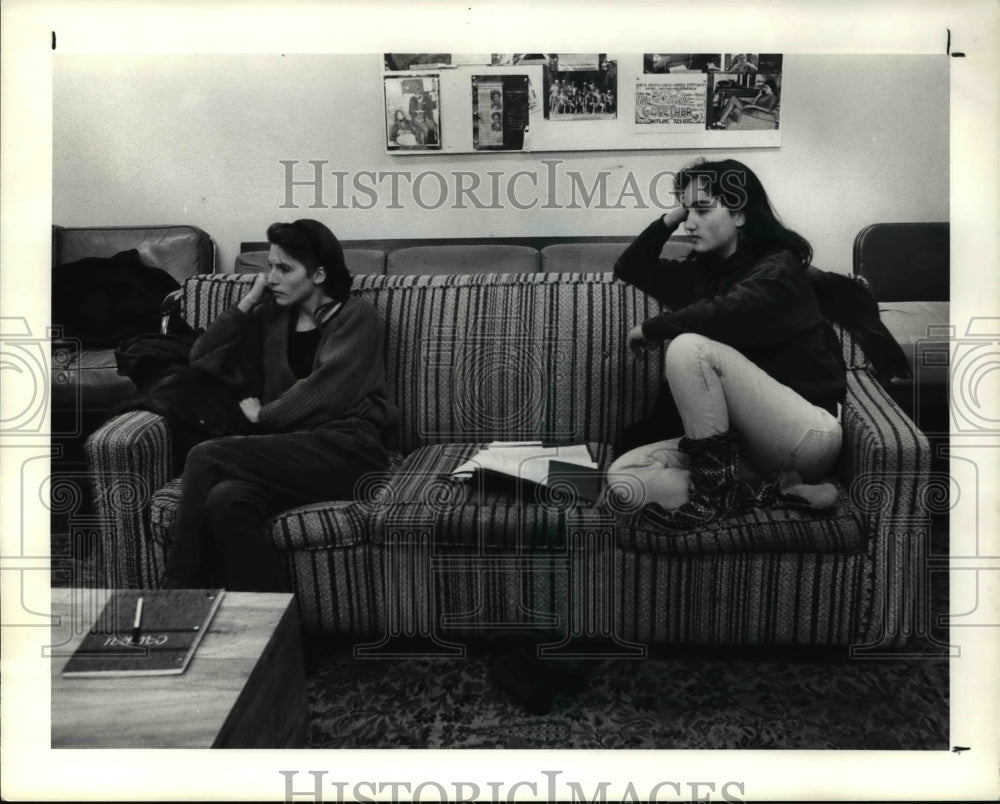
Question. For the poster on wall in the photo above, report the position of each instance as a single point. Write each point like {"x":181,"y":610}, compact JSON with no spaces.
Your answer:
{"x":412,"y":113}
{"x":746,"y":94}
{"x":675,"y":100}
{"x":500,"y":106}
{"x":580,"y":86}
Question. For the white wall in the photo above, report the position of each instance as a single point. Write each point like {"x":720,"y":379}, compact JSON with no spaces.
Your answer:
{"x":198,"y":139}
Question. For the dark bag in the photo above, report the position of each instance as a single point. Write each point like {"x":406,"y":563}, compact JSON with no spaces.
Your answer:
{"x":196,"y":404}
{"x":847,"y":301}
{"x":146,"y":358}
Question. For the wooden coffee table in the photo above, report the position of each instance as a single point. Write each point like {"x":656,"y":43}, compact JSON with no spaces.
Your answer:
{"x":244,"y":688}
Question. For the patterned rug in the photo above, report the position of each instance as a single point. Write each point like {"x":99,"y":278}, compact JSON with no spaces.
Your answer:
{"x":690,"y":701}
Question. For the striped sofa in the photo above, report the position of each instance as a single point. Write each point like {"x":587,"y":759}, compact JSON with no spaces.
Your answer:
{"x":416,"y":558}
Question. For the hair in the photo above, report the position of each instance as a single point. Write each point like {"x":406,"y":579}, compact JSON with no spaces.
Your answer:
{"x":739,"y":190}
{"x":315,"y":246}
{"x":770,"y":83}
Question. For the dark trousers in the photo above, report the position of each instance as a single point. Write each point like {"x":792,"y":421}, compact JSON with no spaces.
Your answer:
{"x":232,"y":486}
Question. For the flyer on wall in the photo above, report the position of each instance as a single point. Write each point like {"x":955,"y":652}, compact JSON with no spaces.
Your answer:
{"x":412,"y":113}
{"x":675,"y":100}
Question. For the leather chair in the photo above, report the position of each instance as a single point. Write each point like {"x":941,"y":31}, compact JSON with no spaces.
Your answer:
{"x":907,"y":268}
{"x":85,"y":384}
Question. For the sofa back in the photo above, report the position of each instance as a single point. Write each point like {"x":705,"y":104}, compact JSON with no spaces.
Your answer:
{"x":511,"y":357}
{"x":181,"y":251}
{"x":497,"y":356}
{"x":481,"y":257}
{"x":599,"y":257}
{"x":462,"y":259}
{"x":358,"y":261}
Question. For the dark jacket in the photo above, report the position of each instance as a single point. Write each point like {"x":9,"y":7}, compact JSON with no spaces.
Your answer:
{"x":761,"y":304}
{"x":103,"y":300}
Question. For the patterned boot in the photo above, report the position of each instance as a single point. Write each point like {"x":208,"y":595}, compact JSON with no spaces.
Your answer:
{"x":714,"y":492}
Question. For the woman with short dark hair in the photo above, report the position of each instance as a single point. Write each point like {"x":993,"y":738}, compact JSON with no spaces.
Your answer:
{"x":305,"y":358}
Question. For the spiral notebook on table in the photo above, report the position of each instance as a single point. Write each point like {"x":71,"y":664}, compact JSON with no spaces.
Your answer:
{"x":150,"y":632}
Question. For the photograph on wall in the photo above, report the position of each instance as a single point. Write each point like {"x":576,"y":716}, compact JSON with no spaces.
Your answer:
{"x":399,"y":62}
{"x":681,"y":62}
{"x":751,"y":63}
{"x":671,"y":100}
{"x":744,"y":101}
{"x":581,"y":86}
{"x":518,"y":59}
{"x":500,"y":106}
{"x":412,"y":113}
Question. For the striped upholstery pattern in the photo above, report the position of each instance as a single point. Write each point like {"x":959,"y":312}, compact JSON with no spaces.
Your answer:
{"x":512,"y":356}
{"x":773,"y":531}
{"x":477,"y":358}
{"x":492,"y":516}
{"x":334,"y":524}
{"x":130,"y":458}
{"x":476,"y":516}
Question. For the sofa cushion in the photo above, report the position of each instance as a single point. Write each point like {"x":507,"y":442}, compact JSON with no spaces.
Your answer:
{"x":447,"y":260}
{"x":327,"y":525}
{"x":473,"y":516}
{"x":600,"y":257}
{"x":923,"y":330}
{"x":358,"y":261}
{"x":767,"y":531}
{"x":483,"y":517}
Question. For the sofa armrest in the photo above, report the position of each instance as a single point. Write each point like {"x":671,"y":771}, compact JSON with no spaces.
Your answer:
{"x":129,"y":457}
{"x":886,"y":457}
{"x":171,"y":304}
{"x":886,"y":465}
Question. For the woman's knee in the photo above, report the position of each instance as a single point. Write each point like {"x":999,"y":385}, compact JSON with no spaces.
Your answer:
{"x":685,"y":349}
{"x":216,"y":451}
{"x":229,"y":501}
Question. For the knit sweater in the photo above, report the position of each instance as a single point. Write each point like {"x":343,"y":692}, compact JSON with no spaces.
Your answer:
{"x":345,"y":390}
{"x":763,"y":305}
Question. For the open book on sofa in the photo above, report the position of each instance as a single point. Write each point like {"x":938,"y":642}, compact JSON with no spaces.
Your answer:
{"x":536,"y":464}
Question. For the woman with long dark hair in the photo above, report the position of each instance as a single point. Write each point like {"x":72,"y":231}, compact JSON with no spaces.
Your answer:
{"x":305,"y":358}
{"x":752,"y":364}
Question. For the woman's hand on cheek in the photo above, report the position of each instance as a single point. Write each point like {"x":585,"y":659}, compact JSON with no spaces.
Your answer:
{"x":675,"y":216}
{"x":256,"y":294}
{"x":251,"y":408}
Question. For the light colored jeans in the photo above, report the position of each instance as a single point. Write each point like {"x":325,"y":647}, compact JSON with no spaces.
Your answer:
{"x":716,"y":388}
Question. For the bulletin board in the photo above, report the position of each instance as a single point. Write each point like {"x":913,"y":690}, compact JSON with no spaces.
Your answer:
{"x":474,"y":103}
